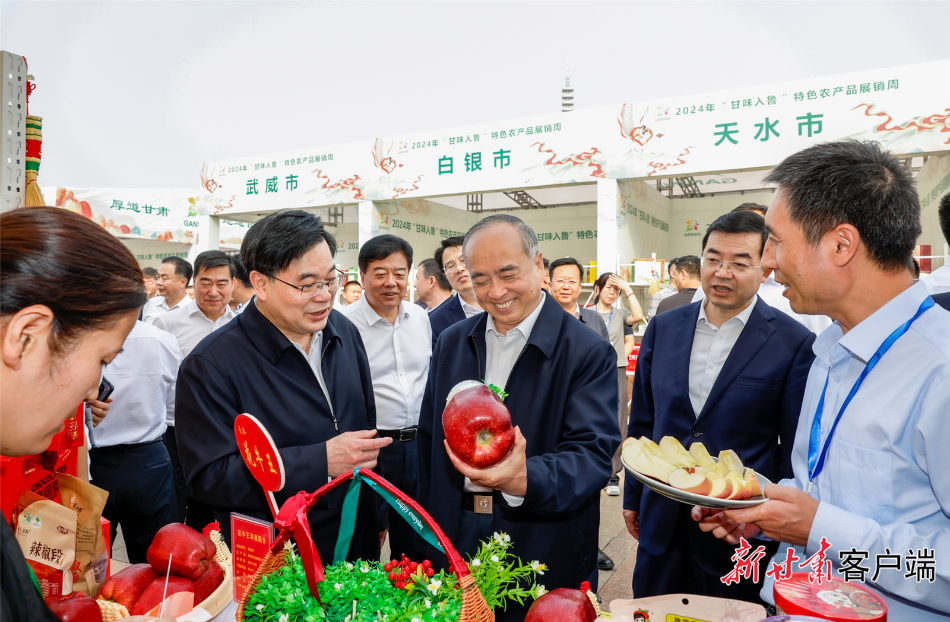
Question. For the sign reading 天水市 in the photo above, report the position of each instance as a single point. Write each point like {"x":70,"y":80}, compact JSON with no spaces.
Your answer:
{"x":907,"y":109}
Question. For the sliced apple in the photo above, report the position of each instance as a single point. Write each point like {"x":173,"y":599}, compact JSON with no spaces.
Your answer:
{"x":701,"y":456}
{"x":732,"y":461}
{"x":640,"y":458}
{"x":721,"y":488}
{"x":752,"y":482}
{"x":699,"y":469}
{"x":649,"y":443}
{"x":676,"y":453}
{"x":739,"y":489}
{"x":695,"y":483}
{"x":721,"y":469}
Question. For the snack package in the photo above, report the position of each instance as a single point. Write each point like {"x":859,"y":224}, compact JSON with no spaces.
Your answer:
{"x":46,"y":532}
{"x":92,"y":559}
{"x":685,"y":607}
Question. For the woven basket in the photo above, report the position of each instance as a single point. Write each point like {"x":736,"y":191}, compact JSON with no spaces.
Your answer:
{"x":474,"y":607}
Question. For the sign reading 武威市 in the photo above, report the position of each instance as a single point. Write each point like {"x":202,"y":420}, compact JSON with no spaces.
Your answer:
{"x":907,"y":109}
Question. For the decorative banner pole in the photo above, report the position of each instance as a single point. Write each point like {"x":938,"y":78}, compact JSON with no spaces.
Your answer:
{"x":34,"y":145}
{"x":261,"y":456}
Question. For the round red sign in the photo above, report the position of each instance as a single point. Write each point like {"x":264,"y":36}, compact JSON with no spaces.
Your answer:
{"x":259,"y":452}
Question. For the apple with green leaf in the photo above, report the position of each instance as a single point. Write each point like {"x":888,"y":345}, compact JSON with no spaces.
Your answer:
{"x":477,"y":424}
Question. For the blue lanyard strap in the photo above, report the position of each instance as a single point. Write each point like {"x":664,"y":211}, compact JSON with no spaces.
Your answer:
{"x":815,"y":462}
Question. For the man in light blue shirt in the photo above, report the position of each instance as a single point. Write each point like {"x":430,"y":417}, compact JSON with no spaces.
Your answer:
{"x":843,"y":226}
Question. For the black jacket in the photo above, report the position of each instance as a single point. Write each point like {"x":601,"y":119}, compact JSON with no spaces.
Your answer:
{"x":563,"y":395}
{"x":448,"y":313}
{"x":249,"y":366}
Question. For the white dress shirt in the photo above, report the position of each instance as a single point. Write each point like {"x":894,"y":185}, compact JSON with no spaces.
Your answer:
{"x":315,"y":360}
{"x":144,"y":375}
{"x":398,"y":360}
{"x":938,"y":281}
{"x":886,"y":480}
{"x":469,"y":309}
{"x":771,"y":292}
{"x":502,"y":351}
{"x":158,"y":306}
{"x":711,"y":348}
{"x":190,"y":325}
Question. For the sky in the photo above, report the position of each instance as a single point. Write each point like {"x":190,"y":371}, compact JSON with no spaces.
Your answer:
{"x":139,"y":94}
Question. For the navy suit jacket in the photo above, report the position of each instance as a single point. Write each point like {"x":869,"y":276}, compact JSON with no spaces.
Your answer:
{"x":756,"y":399}
{"x":563,"y":394}
{"x":249,"y":366}
{"x":449,"y":312}
{"x":942,"y":299}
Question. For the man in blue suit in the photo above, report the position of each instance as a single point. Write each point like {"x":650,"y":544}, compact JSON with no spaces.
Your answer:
{"x":562,"y":383}
{"x":464,"y":305}
{"x":729,"y":372}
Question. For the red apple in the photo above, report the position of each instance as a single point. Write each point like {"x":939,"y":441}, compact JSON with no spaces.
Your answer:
{"x":75,"y":607}
{"x":125,"y":587}
{"x":477,"y":425}
{"x":562,"y":605}
{"x":191,"y":552}
{"x":208,"y":582}
{"x":152,"y":595}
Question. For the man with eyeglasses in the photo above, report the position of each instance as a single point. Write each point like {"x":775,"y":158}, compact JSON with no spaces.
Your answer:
{"x":297,"y":365}
{"x":396,"y":336}
{"x":464,"y":305}
{"x":565,"y":275}
{"x":728,"y":372}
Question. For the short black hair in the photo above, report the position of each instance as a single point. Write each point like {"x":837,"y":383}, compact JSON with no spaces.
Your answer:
{"x":182,"y":267}
{"x":858,"y":183}
{"x":547,"y":265}
{"x":447,"y":243}
{"x":430,"y":268}
{"x":212,"y":259}
{"x":671,"y":264}
{"x":353,"y":282}
{"x":381,"y":247}
{"x":915,"y":268}
{"x":690,"y":264}
{"x":238,"y":271}
{"x":736,"y":222}
{"x":565,"y":261}
{"x":150,"y":273}
{"x":275,"y":241}
{"x":943,"y":215}
{"x":752,"y":207}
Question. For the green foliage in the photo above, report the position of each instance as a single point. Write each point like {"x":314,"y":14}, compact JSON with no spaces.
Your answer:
{"x":501,"y":392}
{"x":501,"y":576}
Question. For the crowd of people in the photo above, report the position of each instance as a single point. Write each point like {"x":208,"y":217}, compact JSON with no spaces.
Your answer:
{"x":760,"y":344}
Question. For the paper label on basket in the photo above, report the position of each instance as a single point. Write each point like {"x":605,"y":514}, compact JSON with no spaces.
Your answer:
{"x":250,"y":540}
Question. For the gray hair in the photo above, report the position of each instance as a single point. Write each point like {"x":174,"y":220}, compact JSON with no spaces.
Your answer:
{"x":529,"y":241}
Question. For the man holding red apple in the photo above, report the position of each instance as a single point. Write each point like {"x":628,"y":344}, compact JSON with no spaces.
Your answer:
{"x":562,"y":386}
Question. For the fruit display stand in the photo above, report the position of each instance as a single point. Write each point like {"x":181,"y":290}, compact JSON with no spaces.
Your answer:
{"x":292,"y":521}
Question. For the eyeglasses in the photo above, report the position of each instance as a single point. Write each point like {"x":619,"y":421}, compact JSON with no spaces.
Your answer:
{"x":312,"y":289}
{"x":452,"y":265}
{"x":733,"y":267}
{"x":562,"y":283}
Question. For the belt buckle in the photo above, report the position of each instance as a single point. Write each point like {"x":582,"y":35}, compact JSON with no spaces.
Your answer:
{"x":409,"y":434}
{"x":483,"y":504}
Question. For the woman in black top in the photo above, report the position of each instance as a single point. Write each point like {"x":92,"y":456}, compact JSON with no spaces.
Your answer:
{"x":69,"y":295}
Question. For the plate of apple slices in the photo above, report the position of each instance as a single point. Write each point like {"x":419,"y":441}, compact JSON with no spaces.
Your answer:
{"x":693,"y":476}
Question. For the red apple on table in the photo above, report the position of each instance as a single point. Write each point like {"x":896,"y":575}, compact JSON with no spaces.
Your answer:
{"x":477,"y":425}
{"x":562,"y":605}
{"x":208,"y":582}
{"x":191,"y":552}
{"x":75,"y":607}
{"x":126,"y":586}
{"x":152,"y":596}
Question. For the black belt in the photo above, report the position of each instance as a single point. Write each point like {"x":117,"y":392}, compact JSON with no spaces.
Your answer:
{"x":405,"y":434}
{"x":160,"y":439}
{"x":478,"y":502}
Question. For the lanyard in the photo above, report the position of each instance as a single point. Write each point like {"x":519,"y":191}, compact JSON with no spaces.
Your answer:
{"x":816,"y":462}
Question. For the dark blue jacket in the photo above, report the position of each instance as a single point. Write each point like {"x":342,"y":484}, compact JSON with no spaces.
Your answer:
{"x":756,"y":399}
{"x":448,"y":313}
{"x":249,"y":366}
{"x":942,"y":299}
{"x":563,"y":395}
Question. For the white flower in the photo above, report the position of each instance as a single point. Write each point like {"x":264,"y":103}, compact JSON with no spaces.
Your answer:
{"x":260,"y":607}
{"x":417,"y":620}
{"x":284,"y":618}
{"x":494,"y":558}
{"x":538,"y":567}
{"x":428,"y":604}
{"x":349,"y":566}
{"x":507,"y":538}
{"x":476,"y":563}
{"x":434,"y":586}
{"x":540,"y":591}
{"x":338,"y":586}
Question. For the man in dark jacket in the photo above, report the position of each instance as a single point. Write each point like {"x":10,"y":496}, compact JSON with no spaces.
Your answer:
{"x":562,"y":383}
{"x":464,"y":304}
{"x":300,"y":368}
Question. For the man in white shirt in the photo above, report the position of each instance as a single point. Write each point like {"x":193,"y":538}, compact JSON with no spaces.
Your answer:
{"x":173,"y":277}
{"x":431,"y":285}
{"x":664,"y":293}
{"x":465,"y":304}
{"x":396,"y":335}
{"x":938,"y":281}
{"x":129,"y":458}
{"x":191,"y":323}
